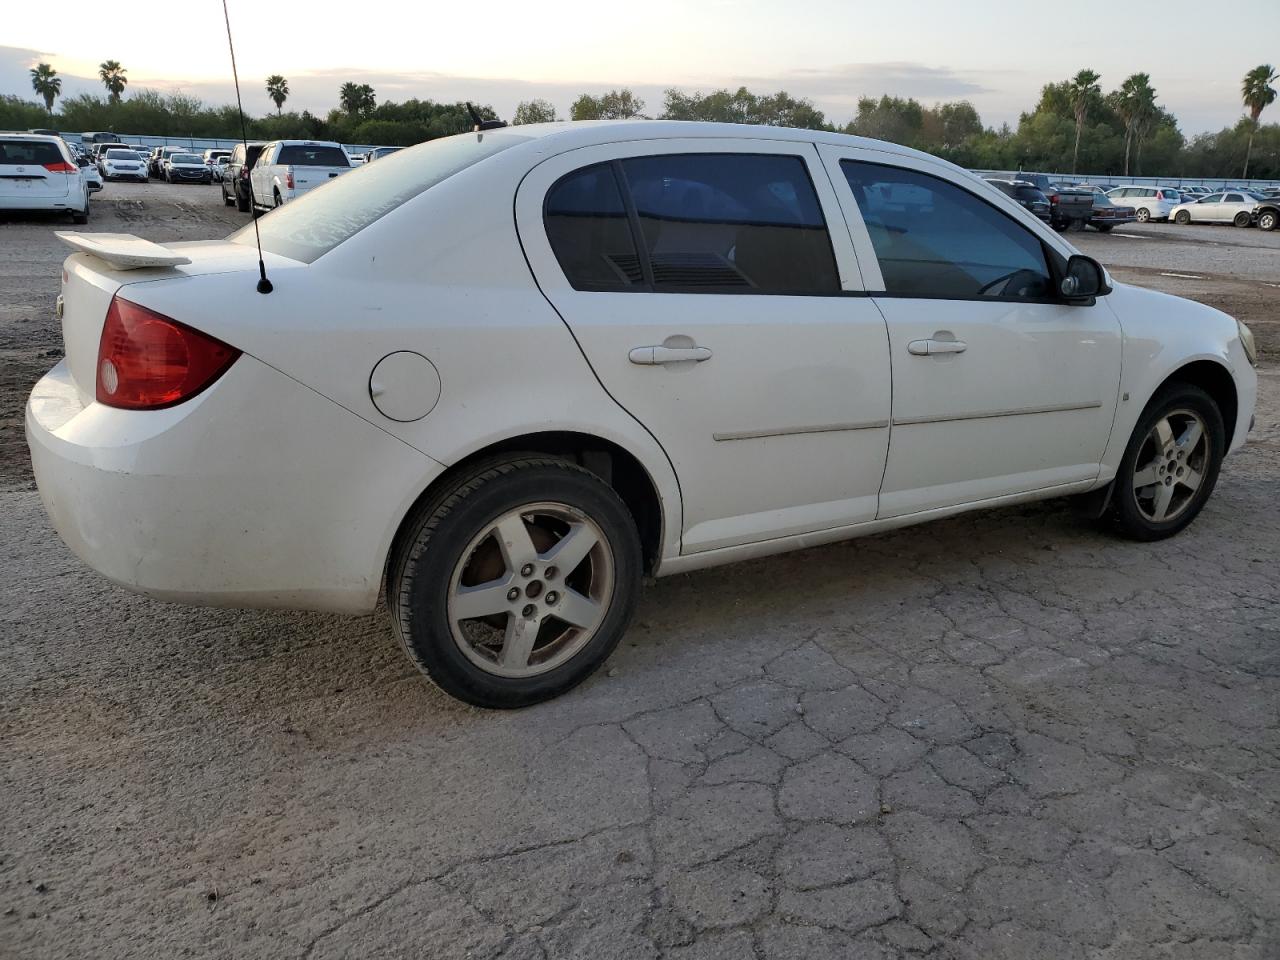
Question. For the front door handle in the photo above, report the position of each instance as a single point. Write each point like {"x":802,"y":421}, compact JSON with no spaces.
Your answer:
{"x":661,"y":354}
{"x":929,"y":348}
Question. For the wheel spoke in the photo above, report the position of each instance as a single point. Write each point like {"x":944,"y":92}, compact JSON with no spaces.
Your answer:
{"x":1164,"y":497}
{"x":1191,"y":479}
{"x":1164,"y":433}
{"x":572,"y":548}
{"x":482,"y":600}
{"x":1146,"y":476}
{"x":517,"y":546}
{"x":522,"y":632}
{"x":1191,"y":436}
{"x":577,"y":610}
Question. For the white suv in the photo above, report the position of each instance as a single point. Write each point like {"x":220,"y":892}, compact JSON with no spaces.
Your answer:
{"x":37,"y":172}
{"x":1150,"y":203}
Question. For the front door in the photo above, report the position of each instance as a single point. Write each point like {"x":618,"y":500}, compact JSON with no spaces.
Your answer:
{"x":998,"y":387}
{"x":712,"y":287}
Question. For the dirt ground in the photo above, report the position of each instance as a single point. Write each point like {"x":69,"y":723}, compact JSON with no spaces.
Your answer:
{"x":1004,"y":735}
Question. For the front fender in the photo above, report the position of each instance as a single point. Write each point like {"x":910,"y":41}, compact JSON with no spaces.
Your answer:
{"x":1162,"y":335}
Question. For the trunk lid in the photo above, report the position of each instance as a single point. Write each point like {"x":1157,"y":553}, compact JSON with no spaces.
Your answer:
{"x":90,"y":280}
{"x":306,"y":178}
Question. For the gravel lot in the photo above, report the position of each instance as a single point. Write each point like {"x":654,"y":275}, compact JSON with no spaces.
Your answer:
{"x":1005,"y":735}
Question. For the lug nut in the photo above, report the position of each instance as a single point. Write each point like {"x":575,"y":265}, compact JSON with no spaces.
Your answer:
{"x":552,"y":597}
{"x":551,"y":573}
{"x":529,"y":610}
{"x":526,"y":570}
{"x":513,"y":593}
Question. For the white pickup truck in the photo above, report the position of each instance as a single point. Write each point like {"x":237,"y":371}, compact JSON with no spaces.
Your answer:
{"x":286,"y":169}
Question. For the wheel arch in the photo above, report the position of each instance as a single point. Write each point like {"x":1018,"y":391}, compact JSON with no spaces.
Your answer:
{"x":614,"y":464}
{"x":1214,"y":379}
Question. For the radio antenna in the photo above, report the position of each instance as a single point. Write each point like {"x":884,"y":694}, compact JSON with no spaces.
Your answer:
{"x":264,"y":285}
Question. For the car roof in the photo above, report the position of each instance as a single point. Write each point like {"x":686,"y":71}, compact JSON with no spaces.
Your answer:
{"x":22,"y":135}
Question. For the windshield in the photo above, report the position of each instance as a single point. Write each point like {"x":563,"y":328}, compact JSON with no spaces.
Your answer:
{"x":121,"y":155}
{"x":320,"y":219}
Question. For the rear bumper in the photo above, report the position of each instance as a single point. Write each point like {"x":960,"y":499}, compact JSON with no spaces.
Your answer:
{"x":256,"y":493}
{"x":66,"y":201}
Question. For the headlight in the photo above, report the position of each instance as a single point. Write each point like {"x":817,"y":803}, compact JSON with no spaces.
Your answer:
{"x":1246,"y":341}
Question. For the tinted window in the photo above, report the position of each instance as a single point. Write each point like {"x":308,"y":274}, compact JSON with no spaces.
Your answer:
{"x":1030,"y":193}
{"x":589,"y":231}
{"x":731,"y":222}
{"x":298,"y":156}
{"x":1212,"y":198}
{"x":1234,"y":198}
{"x":36,"y":152}
{"x":320,"y":219}
{"x":934,"y":239}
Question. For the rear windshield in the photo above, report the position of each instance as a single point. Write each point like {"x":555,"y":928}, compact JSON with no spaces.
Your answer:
{"x":35,"y":152}
{"x":312,"y":225}
{"x":296,"y":156}
{"x":1028,"y":193}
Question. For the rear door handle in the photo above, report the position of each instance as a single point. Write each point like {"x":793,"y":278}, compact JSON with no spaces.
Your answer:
{"x":928,"y":348}
{"x":661,"y":354}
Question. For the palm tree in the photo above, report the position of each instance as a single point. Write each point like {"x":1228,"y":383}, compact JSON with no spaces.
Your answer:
{"x":356,"y":98}
{"x":278,"y":90}
{"x":1135,"y":104}
{"x":47,"y":84}
{"x":1257,"y":93}
{"x":113,"y":78}
{"x":1083,"y":86}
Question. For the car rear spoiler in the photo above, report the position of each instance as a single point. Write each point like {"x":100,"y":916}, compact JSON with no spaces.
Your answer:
{"x":123,"y":251}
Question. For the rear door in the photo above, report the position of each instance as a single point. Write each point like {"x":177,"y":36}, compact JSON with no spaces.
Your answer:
{"x":33,"y":171}
{"x":712,"y":286}
{"x":998,"y":387}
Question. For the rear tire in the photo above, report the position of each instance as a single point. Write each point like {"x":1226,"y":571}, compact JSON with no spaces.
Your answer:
{"x":488,"y":545}
{"x":83,"y":215}
{"x":242,"y":202}
{"x":1143,"y":214}
{"x":1182,"y":217}
{"x":1242,"y":219}
{"x":1166,"y":451}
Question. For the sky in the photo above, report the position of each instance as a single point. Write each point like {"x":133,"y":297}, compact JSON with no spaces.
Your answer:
{"x":993,"y":53}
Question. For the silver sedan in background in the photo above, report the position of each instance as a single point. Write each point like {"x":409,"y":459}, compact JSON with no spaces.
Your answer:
{"x":1230,"y":206}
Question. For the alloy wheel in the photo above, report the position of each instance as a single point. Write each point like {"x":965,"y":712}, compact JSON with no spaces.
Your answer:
{"x":531,"y":590}
{"x":1171,"y":465}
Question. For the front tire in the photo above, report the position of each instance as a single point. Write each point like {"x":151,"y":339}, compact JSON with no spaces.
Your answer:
{"x":1242,"y":219}
{"x":1267,"y":220}
{"x":1143,"y":214}
{"x":515,"y":584}
{"x":1182,"y":217}
{"x":1171,"y":464}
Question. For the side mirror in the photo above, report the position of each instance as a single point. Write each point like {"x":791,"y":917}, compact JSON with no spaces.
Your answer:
{"x":1083,"y":280}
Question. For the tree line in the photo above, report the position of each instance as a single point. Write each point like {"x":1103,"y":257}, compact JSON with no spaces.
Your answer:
{"x":1074,"y":125}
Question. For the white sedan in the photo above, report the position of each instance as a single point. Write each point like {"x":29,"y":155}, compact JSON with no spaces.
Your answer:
{"x":1231,"y":206}
{"x":509,"y":373}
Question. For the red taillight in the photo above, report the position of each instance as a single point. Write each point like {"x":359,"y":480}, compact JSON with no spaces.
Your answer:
{"x":60,"y":167}
{"x":244,"y":173}
{"x":147,"y":361}
{"x":1054,"y":198}
{"x":288,"y":178}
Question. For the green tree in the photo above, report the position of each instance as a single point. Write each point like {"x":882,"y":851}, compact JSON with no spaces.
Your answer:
{"x":534,"y":111}
{"x":1258,"y":94}
{"x":1135,"y":104}
{"x":47,"y":84}
{"x":357,"y":98}
{"x":1084,"y":85}
{"x":889,"y":118}
{"x":278,"y":91}
{"x":113,"y":78}
{"x":614,"y":105}
{"x":742,"y":106}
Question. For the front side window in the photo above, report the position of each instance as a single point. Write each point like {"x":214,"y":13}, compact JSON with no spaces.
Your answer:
{"x":722,"y":222}
{"x":934,"y":239}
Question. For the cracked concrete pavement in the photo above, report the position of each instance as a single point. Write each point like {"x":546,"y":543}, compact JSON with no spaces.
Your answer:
{"x":1005,"y":735}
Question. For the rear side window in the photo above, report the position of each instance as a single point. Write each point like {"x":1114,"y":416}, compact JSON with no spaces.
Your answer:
{"x":34,"y":152}
{"x":936,"y":240}
{"x":589,"y":231}
{"x":719,"y":222}
{"x":299,"y":156}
